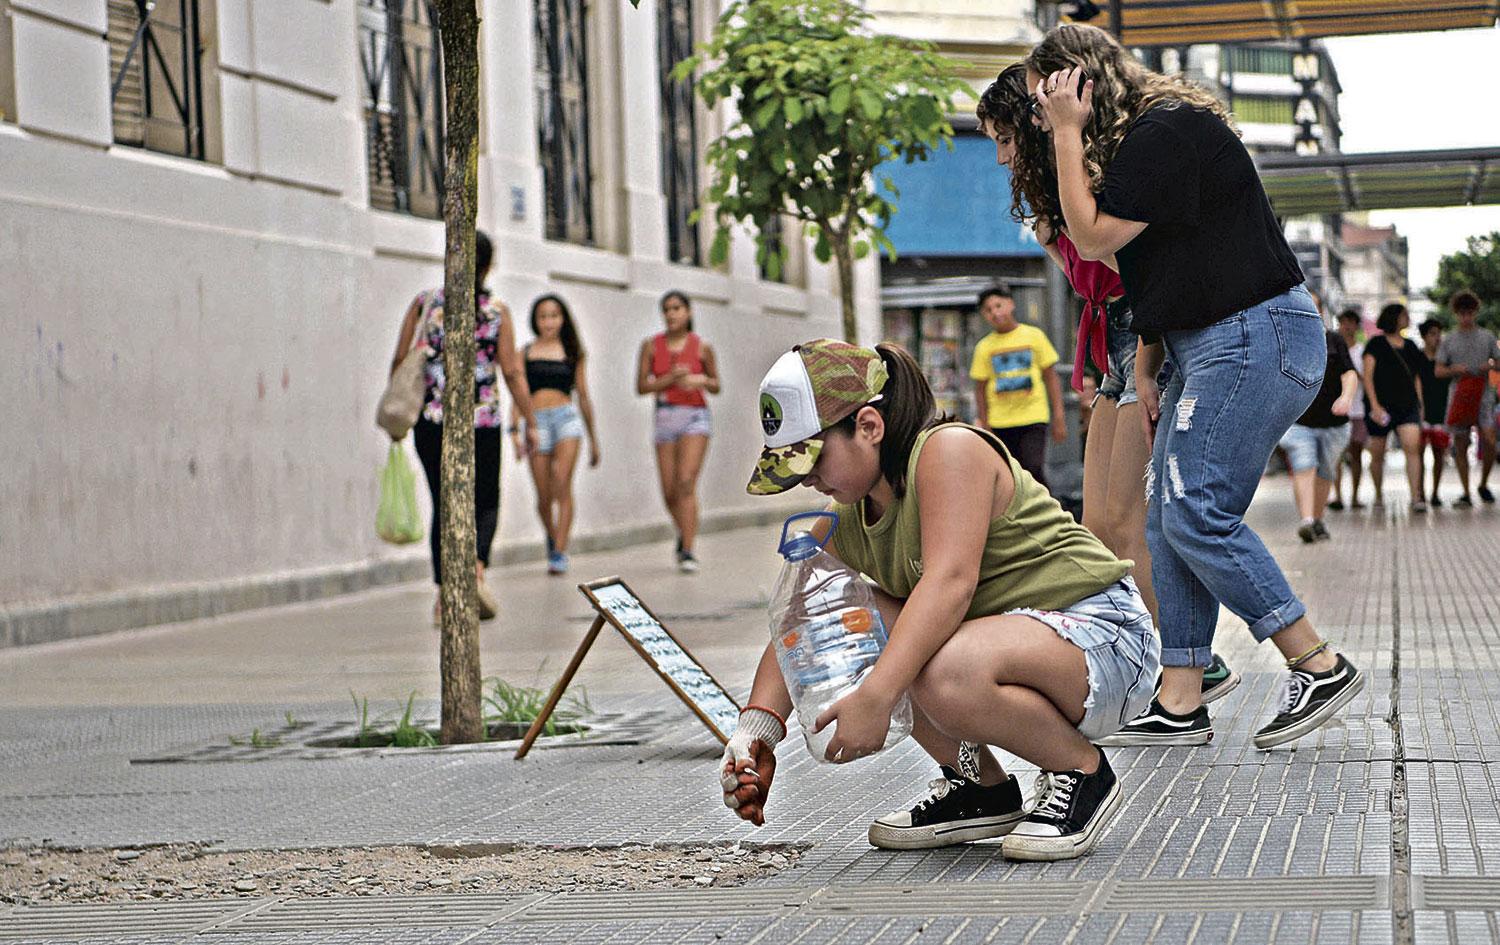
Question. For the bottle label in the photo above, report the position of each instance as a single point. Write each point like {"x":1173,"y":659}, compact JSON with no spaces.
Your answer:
{"x":858,"y":620}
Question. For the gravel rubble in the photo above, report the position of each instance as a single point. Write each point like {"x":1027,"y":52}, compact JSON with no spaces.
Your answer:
{"x":33,"y":875}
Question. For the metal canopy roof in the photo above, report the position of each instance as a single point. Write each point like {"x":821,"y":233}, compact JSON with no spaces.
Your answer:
{"x":1179,"y":22}
{"x":1332,"y":183}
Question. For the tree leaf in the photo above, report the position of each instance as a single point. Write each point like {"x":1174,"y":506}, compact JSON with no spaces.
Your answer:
{"x":765,"y":113}
{"x":869,"y":103}
{"x":793,"y":109}
{"x":838,"y":99}
{"x":719,"y":251}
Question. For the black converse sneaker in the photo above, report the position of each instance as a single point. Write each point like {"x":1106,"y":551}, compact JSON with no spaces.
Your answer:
{"x":1157,"y":726}
{"x":956,"y":810}
{"x":1218,"y":679}
{"x":1309,"y":700}
{"x":1072,"y":811}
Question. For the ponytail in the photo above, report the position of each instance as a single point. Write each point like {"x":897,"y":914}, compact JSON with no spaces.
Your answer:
{"x":908,"y":408}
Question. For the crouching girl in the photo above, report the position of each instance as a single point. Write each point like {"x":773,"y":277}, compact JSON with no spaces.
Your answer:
{"x":1010,"y":624}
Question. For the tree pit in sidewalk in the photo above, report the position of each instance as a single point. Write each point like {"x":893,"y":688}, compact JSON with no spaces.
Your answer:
{"x":34,"y":875}
{"x":509,"y":712}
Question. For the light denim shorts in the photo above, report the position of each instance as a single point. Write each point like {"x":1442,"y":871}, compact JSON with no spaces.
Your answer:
{"x":1320,"y":447}
{"x":673,"y":423}
{"x":1118,"y":639}
{"x":555,"y":424}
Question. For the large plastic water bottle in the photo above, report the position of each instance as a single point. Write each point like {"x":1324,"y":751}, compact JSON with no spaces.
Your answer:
{"x":827,"y":632}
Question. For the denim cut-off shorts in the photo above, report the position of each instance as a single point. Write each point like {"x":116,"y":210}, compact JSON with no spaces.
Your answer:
{"x":1315,"y":448}
{"x":1120,"y":646}
{"x":673,"y":423}
{"x":1118,"y":383}
{"x":555,"y":424}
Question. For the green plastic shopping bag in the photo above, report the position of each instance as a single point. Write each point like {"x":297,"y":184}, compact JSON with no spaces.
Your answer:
{"x":398,"y":521}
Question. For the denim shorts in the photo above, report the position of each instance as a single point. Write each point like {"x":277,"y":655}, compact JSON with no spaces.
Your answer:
{"x":673,"y":423}
{"x":1118,"y":383}
{"x":555,"y":424}
{"x":1118,"y":639}
{"x":1320,"y":447}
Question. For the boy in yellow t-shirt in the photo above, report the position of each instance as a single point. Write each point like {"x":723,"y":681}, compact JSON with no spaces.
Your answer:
{"x":1016,"y":392}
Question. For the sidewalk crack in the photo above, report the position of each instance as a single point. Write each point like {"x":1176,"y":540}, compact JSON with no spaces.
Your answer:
{"x":1403,"y":930}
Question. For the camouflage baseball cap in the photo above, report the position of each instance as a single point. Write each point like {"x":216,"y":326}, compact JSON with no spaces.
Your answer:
{"x":809,"y":389}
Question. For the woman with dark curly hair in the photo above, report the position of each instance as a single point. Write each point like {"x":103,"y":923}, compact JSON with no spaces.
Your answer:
{"x":1151,"y":171}
{"x":1115,"y":456}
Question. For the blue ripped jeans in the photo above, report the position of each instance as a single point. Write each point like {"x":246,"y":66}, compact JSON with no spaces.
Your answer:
{"x":1238,"y":385}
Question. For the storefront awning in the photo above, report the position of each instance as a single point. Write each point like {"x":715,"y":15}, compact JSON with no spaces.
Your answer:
{"x":1333,"y":183}
{"x":955,"y":203}
{"x":1181,"y":22}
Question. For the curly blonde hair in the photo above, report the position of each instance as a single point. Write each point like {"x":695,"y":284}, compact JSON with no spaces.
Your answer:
{"x":1124,"y":89}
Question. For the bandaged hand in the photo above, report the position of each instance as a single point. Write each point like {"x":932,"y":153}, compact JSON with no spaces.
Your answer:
{"x":749,"y":763}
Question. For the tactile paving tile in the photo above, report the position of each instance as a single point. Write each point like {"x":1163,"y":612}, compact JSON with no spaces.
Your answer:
{"x":126,"y":918}
{"x":370,"y":912}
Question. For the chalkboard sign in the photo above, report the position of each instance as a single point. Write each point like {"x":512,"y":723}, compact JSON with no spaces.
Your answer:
{"x":618,"y":605}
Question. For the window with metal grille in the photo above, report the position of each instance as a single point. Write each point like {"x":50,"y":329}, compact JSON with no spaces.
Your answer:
{"x":156,"y":75}
{"x":563,"y":119}
{"x":401,"y":63}
{"x":1260,"y":60}
{"x":1266,"y":109}
{"x":679,"y":140}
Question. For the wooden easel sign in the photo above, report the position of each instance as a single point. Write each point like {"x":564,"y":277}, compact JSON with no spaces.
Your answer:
{"x":620,"y":607}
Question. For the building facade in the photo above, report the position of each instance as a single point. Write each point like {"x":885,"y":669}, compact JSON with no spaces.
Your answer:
{"x":213,"y":214}
{"x":1375,"y":269}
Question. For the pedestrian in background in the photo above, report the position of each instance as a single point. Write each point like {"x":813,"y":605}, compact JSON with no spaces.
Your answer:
{"x":1115,"y":455}
{"x":1393,"y":401}
{"x":1354,"y":453}
{"x":1016,"y":392}
{"x":1317,"y":440}
{"x":495,"y":358}
{"x":1435,"y":435}
{"x":678,"y":369}
{"x":554,"y":362}
{"x":1149,"y":169}
{"x":1466,"y":357}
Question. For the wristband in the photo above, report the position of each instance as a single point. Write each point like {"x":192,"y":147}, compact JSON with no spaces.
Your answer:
{"x":758,"y":722}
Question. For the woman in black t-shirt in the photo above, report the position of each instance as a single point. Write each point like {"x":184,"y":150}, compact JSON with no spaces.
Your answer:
{"x":1150,"y":169}
{"x":1393,"y":398}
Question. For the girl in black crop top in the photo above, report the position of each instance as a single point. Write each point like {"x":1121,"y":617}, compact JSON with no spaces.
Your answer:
{"x":554,"y":368}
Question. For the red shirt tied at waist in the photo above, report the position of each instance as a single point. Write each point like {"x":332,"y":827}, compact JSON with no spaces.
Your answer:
{"x":1097,"y":283}
{"x":663,"y":360}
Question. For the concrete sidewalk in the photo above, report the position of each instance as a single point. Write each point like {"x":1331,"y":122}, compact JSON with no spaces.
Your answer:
{"x":1382,"y":827}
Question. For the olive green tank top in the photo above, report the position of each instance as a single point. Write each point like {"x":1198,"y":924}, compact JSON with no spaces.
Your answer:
{"x":1036,"y":555}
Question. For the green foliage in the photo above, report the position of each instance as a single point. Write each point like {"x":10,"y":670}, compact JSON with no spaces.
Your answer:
{"x":520,"y":704}
{"x":821,"y":103}
{"x":1477,"y":268}
{"x":257,"y":739}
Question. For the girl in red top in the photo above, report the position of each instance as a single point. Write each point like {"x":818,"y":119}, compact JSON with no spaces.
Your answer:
{"x":678,"y":369}
{"x":1116,"y":454}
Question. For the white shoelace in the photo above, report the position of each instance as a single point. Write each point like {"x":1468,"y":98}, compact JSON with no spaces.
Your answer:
{"x":1296,"y":684}
{"x":1054,"y":794}
{"x":939,"y":788}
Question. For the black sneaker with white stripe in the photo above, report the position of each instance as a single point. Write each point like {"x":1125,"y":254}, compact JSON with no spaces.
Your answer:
{"x":956,"y":810}
{"x":1309,"y":700}
{"x":1157,"y":726}
{"x":1071,"y":812}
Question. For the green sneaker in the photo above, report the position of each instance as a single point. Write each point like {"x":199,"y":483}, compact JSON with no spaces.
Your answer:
{"x":1218,"y":680}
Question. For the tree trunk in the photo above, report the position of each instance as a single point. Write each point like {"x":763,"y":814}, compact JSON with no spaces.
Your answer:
{"x":459,"y":32}
{"x":844,"y":255}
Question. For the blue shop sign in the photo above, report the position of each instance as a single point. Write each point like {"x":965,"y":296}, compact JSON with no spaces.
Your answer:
{"x":956,"y":203}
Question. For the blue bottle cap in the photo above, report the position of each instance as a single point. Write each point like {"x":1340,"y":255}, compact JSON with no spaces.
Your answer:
{"x":799,"y":547}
